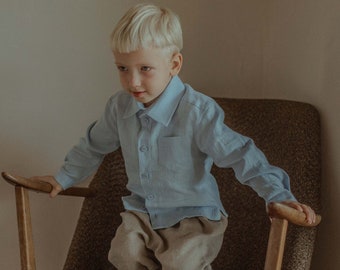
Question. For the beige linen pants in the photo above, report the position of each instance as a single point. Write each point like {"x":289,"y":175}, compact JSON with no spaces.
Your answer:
{"x":192,"y":244}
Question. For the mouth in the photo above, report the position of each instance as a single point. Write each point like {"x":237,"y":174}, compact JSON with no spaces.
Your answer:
{"x":138,"y":94}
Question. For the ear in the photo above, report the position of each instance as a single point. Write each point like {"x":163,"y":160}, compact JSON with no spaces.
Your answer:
{"x":176,"y":64}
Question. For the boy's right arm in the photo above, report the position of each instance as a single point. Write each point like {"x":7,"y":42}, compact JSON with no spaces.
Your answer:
{"x":84,"y":158}
{"x":51,"y":180}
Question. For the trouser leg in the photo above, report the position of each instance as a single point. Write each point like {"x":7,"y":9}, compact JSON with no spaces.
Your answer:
{"x":128,"y":247}
{"x":192,"y":244}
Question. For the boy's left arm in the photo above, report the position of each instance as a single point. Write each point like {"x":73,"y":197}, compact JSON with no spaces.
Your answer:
{"x":233,"y":150}
{"x":306,"y":209}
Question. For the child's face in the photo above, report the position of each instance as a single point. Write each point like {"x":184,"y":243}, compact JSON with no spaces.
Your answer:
{"x":145,"y":73}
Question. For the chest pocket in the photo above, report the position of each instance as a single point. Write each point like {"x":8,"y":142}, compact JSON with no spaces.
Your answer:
{"x":174,"y":153}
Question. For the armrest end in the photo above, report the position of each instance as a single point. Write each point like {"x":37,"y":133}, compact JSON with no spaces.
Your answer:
{"x":45,"y":187}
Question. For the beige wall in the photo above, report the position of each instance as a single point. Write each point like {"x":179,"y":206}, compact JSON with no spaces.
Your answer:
{"x":56,"y":72}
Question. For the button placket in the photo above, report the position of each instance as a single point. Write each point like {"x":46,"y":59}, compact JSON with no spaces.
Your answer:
{"x":144,"y":146}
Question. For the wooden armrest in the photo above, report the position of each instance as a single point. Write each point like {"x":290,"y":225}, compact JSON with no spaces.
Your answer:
{"x":45,"y":187}
{"x":279,"y":210}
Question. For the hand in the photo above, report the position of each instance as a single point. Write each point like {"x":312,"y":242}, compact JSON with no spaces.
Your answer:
{"x":309,"y":212}
{"x":56,"y":187}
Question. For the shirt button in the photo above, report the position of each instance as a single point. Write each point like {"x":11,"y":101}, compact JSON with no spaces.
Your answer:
{"x":145,"y":176}
{"x":143,"y":148}
{"x":151,"y":197}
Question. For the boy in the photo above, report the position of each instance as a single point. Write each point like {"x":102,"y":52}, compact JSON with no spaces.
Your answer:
{"x":170,"y":135}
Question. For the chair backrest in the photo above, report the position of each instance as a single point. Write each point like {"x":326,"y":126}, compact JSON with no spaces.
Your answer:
{"x":287,"y":132}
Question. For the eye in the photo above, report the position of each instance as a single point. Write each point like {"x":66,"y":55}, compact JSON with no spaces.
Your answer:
{"x":145,"y":68}
{"x":122,"y":68}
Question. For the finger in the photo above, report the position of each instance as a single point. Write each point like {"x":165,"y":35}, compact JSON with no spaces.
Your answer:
{"x":310,"y":214}
{"x":55,"y":191}
{"x":307,"y":210}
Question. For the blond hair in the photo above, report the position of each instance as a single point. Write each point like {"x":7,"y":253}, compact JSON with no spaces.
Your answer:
{"x":146,"y":25}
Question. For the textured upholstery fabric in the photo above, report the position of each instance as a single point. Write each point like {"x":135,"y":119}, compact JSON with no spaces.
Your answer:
{"x":287,"y":132}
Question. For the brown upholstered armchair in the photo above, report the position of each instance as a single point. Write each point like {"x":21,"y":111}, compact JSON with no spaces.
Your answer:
{"x":288,"y":132}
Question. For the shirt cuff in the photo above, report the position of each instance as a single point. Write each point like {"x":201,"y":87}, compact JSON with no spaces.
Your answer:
{"x":285,"y":195}
{"x":64,"y":180}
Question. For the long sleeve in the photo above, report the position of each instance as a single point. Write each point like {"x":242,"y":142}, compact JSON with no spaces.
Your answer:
{"x":233,"y":150}
{"x":85,"y":157}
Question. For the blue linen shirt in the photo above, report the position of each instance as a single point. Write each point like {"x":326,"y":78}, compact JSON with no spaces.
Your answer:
{"x":169,"y":149}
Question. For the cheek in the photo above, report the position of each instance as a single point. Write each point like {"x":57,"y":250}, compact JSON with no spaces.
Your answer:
{"x":123,"y":80}
{"x":149,"y":79}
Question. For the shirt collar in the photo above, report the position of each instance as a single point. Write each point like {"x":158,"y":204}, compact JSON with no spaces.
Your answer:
{"x":164,"y":108}
{"x":166,"y":105}
{"x":132,"y":108}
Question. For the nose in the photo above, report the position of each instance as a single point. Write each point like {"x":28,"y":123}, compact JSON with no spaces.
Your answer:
{"x":134,"y":79}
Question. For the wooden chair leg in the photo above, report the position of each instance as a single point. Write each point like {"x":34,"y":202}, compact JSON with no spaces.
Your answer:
{"x":25,"y":229}
{"x":276,"y":244}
